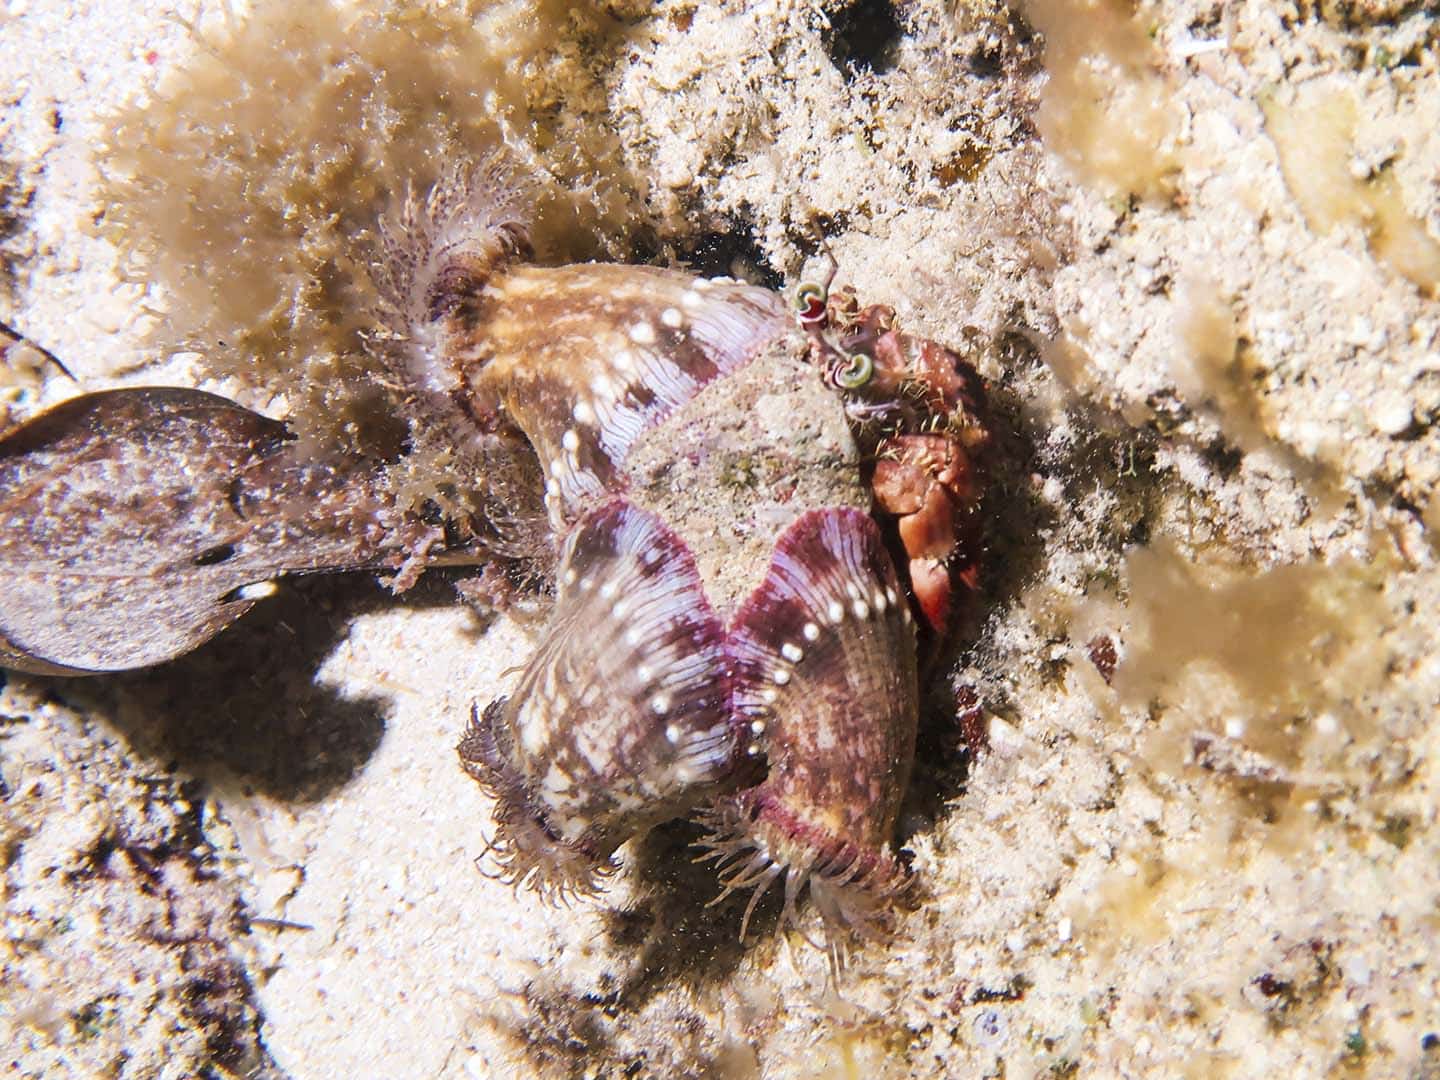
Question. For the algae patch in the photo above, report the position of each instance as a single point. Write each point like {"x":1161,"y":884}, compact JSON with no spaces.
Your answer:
{"x":1280,"y":660}
{"x":1314,"y":131}
{"x":1106,"y":110}
{"x":245,"y":191}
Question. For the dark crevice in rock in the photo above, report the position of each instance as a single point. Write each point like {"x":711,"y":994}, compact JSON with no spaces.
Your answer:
{"x":864,"y":37}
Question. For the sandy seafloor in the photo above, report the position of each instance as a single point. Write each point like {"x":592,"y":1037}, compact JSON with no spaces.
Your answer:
{"x":1199,"y":266}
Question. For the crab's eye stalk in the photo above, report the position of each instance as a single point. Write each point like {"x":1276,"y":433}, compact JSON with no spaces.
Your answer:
{"x":810,"y":304}
{"x":857,"y":370}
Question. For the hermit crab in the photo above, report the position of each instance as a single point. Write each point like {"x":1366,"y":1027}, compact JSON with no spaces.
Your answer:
{"x":919,"y":410}
{"x":742,"y":505}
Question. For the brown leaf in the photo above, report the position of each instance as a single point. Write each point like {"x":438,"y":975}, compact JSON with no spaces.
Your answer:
{"x":131,"y":522}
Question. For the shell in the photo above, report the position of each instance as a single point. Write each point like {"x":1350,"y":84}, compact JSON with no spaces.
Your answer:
{"x":740,"y":651}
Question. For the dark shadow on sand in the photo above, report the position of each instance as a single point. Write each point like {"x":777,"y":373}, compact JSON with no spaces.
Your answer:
{"x":249,"y":701}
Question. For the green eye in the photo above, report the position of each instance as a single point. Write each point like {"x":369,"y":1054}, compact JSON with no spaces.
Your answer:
{"x":857,"y":370}
{"x":808,"y":295}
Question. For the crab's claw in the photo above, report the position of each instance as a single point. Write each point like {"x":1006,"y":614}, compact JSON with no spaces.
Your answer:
{"x":928,"y":483}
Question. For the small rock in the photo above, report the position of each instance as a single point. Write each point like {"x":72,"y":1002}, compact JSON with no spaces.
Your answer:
{"x":1391,"y":413}
{"x":677,"y":176}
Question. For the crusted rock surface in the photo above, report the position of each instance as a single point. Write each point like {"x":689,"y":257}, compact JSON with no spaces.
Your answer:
{"x":1175,"y":808}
